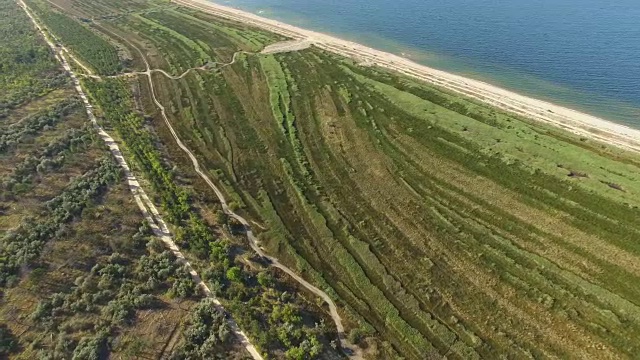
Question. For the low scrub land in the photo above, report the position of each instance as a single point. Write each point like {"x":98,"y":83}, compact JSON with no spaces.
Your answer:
{"x":81,"y":275}
{"x":441,"y":226}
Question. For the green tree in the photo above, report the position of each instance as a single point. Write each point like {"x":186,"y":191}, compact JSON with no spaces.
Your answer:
{"x":265,"y":279}
{"x":90,"y":347}
{"x":8,"y":342}
{"x":234,"y":274}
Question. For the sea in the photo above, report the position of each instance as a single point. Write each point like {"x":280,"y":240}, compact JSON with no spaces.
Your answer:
{"x":582,"y":54}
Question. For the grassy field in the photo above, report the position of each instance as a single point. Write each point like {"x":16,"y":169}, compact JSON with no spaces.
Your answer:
{"x":442,"y":227}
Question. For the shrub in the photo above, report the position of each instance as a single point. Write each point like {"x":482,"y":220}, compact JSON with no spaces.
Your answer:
{"x":207,"y":332}
{"x":183,"y":286}
{"x":8,"y":342}
{"x":90,"y":347}
{"x":234,"y":274}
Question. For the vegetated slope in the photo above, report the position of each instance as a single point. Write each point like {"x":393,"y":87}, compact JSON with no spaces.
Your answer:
{"x":265,"y":305}
{"x":443,"y":226}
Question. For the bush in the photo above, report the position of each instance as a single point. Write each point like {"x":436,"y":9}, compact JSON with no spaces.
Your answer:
{"x":265,"y":279}
{"x":309,"y":349}
{"x":355,"y":336}
{"x":90,"y":347}
{"x":8,"y":342}
{"x":119,"y":311}
{"x":24,"y":245}
{"x":206,"y":334}
{"x":183,"y":286}
{"x":234,"y":274}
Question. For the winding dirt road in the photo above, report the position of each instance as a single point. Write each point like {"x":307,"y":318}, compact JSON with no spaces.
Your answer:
{"x":211,"y":65}
{"x":280,"y":47}
{"x":351,"y":350}
{"x":146,"y":206}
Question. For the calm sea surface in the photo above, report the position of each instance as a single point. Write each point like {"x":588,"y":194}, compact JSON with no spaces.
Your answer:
{"x":584,"y":54}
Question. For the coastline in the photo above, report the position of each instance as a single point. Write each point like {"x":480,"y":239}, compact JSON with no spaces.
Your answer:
{"x":568,"y":119}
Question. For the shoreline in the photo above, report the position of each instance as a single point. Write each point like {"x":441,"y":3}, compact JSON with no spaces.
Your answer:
{"x":576,"y":122}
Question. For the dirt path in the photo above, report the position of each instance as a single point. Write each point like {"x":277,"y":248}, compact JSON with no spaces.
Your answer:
{"x":351,"y":350}
{"x":159,"y":226}
{"x":136,"y":73}
{"x":280,"y":47}
{"x":148,"y":209}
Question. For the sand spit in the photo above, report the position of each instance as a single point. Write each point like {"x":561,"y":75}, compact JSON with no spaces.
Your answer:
{"x":571,"y":120}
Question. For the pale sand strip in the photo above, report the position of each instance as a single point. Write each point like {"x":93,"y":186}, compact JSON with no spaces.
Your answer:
{"x":568,"y":119}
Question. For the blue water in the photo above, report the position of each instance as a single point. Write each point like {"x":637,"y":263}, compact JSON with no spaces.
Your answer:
{"x":584,"y":54}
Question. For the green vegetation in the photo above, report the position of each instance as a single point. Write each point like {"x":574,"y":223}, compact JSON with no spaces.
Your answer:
{"x":248,"y":299}
{"x":441,"y":226}
{"x":23,"y":246}
{"x":247,"y":38}
{"x":35,"y":123}
{"x":78,"y":265}
{"x":206,"y":330}
{"x":114,"y":99}
{"x":363,"y":177}
{"x":200,"y":49}
{"x":171,"y":32}
{"x":92,"y":49}
{"x":26,"y":70}
{"x":8,"y":342}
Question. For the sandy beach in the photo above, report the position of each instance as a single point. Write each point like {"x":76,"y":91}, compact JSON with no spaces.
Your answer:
{"x":571,"y":120}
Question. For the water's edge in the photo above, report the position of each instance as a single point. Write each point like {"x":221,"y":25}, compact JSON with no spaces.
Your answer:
{"x":530,"y":85}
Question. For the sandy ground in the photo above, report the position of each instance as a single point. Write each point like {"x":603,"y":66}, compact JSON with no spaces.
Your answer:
{"x":287,"y":46}
{"x":568,"y":119}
